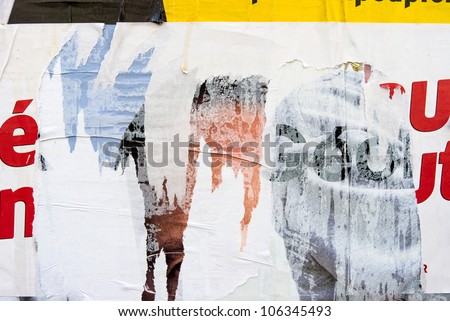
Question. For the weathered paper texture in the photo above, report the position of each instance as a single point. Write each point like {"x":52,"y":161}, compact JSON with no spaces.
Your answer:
{"x":132,"y":117}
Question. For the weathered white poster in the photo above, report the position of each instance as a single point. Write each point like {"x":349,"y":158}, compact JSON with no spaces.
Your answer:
{"x":233,"y":161}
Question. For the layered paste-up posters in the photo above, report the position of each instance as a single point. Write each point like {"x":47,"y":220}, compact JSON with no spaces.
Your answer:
{"x":244,"y":160}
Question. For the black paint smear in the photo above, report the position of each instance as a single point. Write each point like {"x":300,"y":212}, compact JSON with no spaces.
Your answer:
{"x":132,"y":141}
{"x":142,"y":11}
{"x":42,"y":163}
{"x":202,"y":97}
{"x":87,"y":11}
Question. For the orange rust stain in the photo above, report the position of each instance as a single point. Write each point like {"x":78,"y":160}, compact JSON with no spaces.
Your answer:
{"x":234,"y":137}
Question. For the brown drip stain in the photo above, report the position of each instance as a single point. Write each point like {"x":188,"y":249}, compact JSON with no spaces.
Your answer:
{"x":164,"y":233}
{"x":165,"y":220}
{"x":367,"y":73}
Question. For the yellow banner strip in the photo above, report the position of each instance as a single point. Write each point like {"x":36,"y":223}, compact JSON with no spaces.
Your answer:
{"x":403,"y":11}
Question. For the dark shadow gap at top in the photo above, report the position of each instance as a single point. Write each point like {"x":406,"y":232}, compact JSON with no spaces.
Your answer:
{"x":87,"y":11}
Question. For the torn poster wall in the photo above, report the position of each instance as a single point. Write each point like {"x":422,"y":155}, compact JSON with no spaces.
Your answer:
{"x":179,"y":162}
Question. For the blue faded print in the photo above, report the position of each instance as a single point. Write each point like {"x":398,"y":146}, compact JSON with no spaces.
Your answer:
{"x":107,"y":110}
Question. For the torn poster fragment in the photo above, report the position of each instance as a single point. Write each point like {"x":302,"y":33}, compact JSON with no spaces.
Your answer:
{"x":349,"y":215}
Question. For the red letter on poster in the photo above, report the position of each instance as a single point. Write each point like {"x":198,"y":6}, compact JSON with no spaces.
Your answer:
{"x":444,"y":159}
{"x":8,"y":200}
{"x":418,"y":119}
{"x":427,"y":177}
{"x":8,"y":140}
